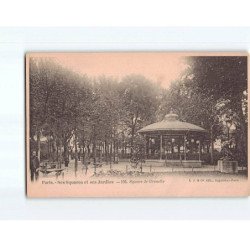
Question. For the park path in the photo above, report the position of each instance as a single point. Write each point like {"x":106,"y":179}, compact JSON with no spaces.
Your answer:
{"x":122,"y":168}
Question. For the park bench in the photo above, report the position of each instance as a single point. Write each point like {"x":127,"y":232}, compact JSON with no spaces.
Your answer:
{"x":50,"y":168}
{"x":57,"y":171}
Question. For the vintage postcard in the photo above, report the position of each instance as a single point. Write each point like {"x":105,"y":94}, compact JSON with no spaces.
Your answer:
{"x":137,"y":124}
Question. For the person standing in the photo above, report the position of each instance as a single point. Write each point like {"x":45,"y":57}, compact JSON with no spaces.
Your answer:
{"x":34,"y":167}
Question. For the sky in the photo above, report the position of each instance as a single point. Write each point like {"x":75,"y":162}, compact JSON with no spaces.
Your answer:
{"x":162,"y":68}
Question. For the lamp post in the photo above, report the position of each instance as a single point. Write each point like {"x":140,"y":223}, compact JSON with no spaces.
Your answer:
{"x":185,"y":145}
{"x":199,"y":148}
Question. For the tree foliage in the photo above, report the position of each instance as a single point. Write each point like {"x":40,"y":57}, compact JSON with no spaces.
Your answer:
{"x":212,"y":93}
{"x":75,"y":111}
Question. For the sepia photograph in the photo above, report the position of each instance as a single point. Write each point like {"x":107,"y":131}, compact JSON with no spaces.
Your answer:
{"x":136,"y":124}
{"x":124,"y":124}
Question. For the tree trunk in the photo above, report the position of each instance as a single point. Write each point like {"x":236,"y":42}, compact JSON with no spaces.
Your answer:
{"x":60,"y":153}
{"x":54,"y":150}
{"x":76,"y":153}
{"x":114,"y":148}
{"x":94,"y":145}
{"x":88,"y":150}
{"x":106,"y":151}
{"x":65,"y":150}
{"x":48,"y":156}
{"x":212,"y":146}
{"x":57,"y":153}
{"x":83,"y":153}
{"x":123,"y":151}
{"x":243,"y":140}
{"x":110,"y":154}
{"x":132,"y":141}
{"x":100,"y":151}
{"x":38,"y":148}
{"x":94,"y":150}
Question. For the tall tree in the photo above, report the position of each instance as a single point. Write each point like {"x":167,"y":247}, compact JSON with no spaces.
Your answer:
{"x":224,"y":79}
{"x":139,"y":101}
{"x":42,"y":79}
